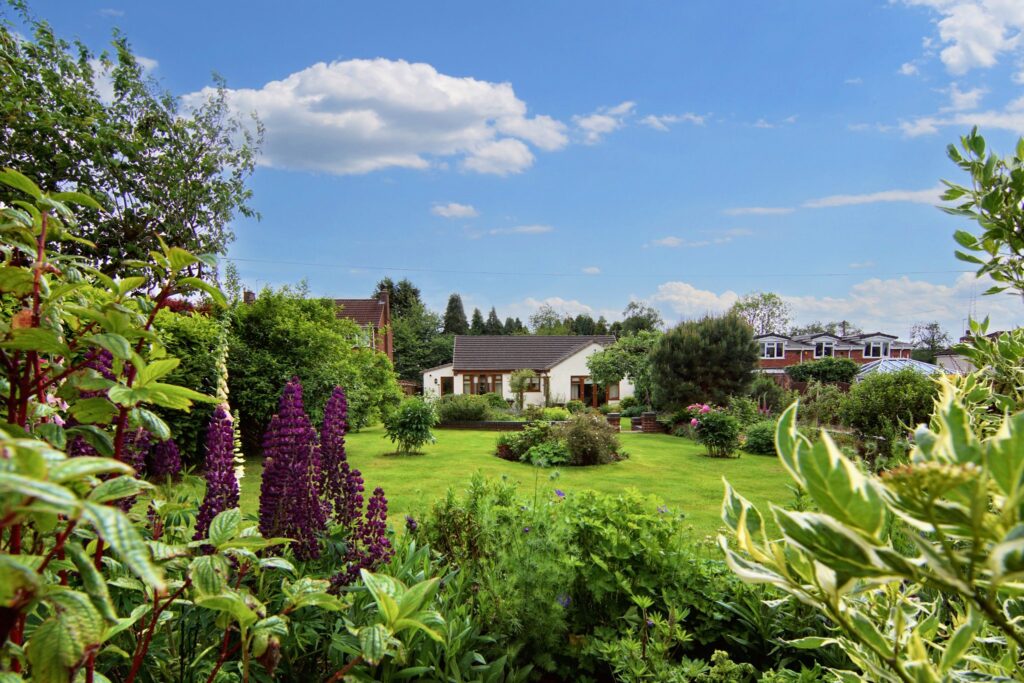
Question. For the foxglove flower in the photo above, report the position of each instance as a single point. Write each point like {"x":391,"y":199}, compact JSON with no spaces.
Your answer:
{"x":290,"y":504}
{"x":221,"y":485}
{"x":164,"y":460}
{"x":342,"y":485}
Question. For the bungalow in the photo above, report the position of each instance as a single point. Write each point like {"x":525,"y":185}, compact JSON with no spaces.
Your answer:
{"x":484,"y":363}
{"x":778,"y":352}
{"x":374,"y":317}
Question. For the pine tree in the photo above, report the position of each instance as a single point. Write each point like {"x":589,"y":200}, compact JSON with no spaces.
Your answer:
{"x":455,"y":316}
{"x":478,"y":326}
{"x":493,"y":324}
{"x":510,"y":326}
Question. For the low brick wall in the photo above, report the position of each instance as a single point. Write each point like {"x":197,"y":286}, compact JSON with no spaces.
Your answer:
{"x":615,"y":420}
{"x":649,"y":423}
{"x":491,"y":425}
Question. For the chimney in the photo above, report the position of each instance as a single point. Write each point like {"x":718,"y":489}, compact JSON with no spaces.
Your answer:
{"x":248,"y":296}
{"x":382,"y":296}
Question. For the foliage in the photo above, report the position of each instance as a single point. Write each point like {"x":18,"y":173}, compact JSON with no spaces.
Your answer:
{"x":555,"y":414}
{"x":160,"y":173}
{"x":997,"y":386}
{"x":760,"y":438}
{"x":514,"y":445}
{"x":628,"y":402}
{"x":455,"y":317}
{"x":744,"y":409}
{"x":548,"y":454}
{"x":765,"y":312}
{"x":915,"y":568}
{"x":638,"y":317}
{"x":410,"y":426}
{"x":824,"y":370}
{"x":199,"y":340}
{"x":418,"y":342}
{"x":462,"y":408}
{"x":888,"y":403}
{"x":575,"y":406}
{"x":837,"y":328}
{"x":589,"y":439}
{"x":495,"y":401}
{"x":822,"y":404}
{"x":628,"y":358}
{"x":707,"y":359}
{"x":994,"y":200}
{"x":719,"y":433}
{"x":477,"y":325}
{"x":519,"y":382}
{"x":284,"y":334}
{"x":769,"y":395}
{"x":547,"y":321}
{"x":928,"y":339}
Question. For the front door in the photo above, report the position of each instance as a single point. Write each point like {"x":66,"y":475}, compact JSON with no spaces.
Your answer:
{"x":582,"y":388}
{"x":447,"y":385}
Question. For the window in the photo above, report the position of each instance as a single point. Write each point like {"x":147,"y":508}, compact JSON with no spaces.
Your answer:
{"x":823,"y":349}
{"x":481,"y":384}
{"x":533,"y":384}
{"x":773,"y":349}
{"x":876,"y":349}
{"x":613,"y":392}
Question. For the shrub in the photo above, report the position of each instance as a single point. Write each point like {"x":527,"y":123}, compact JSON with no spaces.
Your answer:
{"x":885,"y":403}
{"x":575,"y":406}
{"x":462,"y":408}
{"x":555,"y":414}
{"x":495,"y":400}
{"x":410,"y":425}
{"x":632,"y":411}
{"x":719,"y":432}
{"x":628,"y":402}
{"x":513,"y":445}
{"x":761,"y":438}
{"x":744,"y":410}
{"x":824,"y":370}
{"x":822,"y":403}
{"x":769,"y":396}
{"x":590,"y":440}
{"x":548,"y":454}
{"x":519,"y":382}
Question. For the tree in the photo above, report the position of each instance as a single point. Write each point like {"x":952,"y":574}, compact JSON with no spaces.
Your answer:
{"x":706,"y":360}
{"x":639,"y":316}
{"x":493,"y":324}
{"x":477,"y":326}
{"x":995,"y":200}
{"x":403,"y":297}
{"x":419,"y":342}
{"x":840,"y":328}
{"x":158,"y":171}
{"x":601,"y":326}
{"x":928,"y":339}
{"x":629,"y":357}
{"x":583,"y":324}
{"x":411,"y":425}
{"x":547,"y":321}
{"x":766,"y":312}
{"x":519,"y":382}
{"x":455,"y":316}
{"x":512,"y":326}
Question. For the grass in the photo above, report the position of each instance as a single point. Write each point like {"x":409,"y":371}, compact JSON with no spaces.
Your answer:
{"x":673,"y":469}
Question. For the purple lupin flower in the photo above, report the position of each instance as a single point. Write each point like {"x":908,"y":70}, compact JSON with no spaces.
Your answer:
{"x":221,"y":484}
{"x":103,"y":363}
{"x":342,"y":485}
{"x":164,"y":460}
{"x":290,"y":504}
{"x":369,"y":545}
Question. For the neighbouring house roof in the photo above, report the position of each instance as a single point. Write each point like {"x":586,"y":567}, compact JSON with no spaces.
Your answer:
{"x":516,"y":352}
{"x":807,"y":341}
{"x":362,"y":312}
{"x":897,"y":364}
{"x":438,"y":367}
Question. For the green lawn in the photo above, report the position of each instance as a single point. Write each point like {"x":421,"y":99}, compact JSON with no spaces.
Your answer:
{"x":669,"y":467}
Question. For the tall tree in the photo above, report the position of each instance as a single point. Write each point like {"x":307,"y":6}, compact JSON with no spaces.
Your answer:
{"x":629,"y":357}
{"x":157,"y":170}
{"x":455,"y":316}
{"x":928,"y":339}
{"x":403,"y":297}
{"x":601,"y":326}
{"x":583,"y":324}
{"x":639,"y":316}
{"x":765,"y":312}
{"x":493,"y":323}
{"x":478,"y":326}
{"x":840,"y":328}
{"x":547,"y":321}
{"x":705,"y":360}
{"x":419,"y":343}
{"x":510,"y":326}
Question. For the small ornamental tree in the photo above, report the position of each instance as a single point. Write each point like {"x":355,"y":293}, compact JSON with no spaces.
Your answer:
{"x":519,"y":382}
{"x":628,"y":358}
{"x":221,"y":484}
{"x":410,"y":425}
{"x":703,"y":360}
{"x":290,"y":504}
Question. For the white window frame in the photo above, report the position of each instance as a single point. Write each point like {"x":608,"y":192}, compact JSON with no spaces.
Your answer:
{"x":825,"y":345}
{"x":883,"y":349}
{"x":780,"y":350}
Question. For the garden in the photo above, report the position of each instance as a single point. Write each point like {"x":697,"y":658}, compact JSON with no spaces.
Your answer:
{"x":196,"y":488}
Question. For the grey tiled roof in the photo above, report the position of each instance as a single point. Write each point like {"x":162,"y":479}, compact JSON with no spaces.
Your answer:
{"x":534,"y":352}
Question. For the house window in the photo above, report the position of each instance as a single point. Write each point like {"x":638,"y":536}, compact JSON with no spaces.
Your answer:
{"x":612,"y":393}
{"x":481,"y":384}
{"x":876,"y":349}
{"x":824,"y":349}
{"x":533,"y":384}
{"x":773,"y":350}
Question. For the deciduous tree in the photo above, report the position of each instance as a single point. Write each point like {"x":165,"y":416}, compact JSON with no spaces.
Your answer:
{"x":765,"y":312}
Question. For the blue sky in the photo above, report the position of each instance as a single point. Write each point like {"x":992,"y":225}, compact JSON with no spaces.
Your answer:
{"x":588,"y":153}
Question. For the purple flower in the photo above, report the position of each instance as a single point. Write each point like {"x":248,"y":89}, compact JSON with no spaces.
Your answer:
{"x":133,"y":452}
{"x":564,"y":600}
{"x":663,"y":509}
{"x":342,"y":486}
{"x":368,"y":545}
{"x":164,"y":459}
{"x":411,"y":525}
{"x":560,"y":493}
{"x":221,"y":484}
{"x":526,"y":529}
{"x":290,"y":503}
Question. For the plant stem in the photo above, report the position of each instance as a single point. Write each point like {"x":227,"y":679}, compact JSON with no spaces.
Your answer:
{"x":348,"y":667}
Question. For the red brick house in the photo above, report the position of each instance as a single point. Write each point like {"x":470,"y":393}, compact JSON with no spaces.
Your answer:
{"x":778,"y":352}
{"x":374,"y":316}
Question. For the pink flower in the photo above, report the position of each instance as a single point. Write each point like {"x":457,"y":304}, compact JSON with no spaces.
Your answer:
{"x":694,"y":422}
{"x":705,"y":409}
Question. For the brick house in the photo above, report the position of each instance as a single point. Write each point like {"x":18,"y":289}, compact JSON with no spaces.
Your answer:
{"x":778,"y":352}
{"x":374,"y":317}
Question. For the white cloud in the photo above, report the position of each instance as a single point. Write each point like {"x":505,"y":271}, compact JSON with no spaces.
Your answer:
{"x":861,"y":265}
{"x":1009,"y":119}
{"x":593,"y":127}
{"x":522,"y":230}
{"x":758,"y":211}
{"x":854,"y":81}
{"x":362,"y":115}
{"x":454,"y":210}
{"x":929,"y":196}
{"x":592,"y":270}
{"x":761,"y":123}
{"x":663,"y":122}
{"x":765,"y":123}
{"x":961,"y":100}
{"x":104,"y":82}
{"x":674,"y":242}
{"x":687,"y":301}
{"x":111,"y":12}
{"x":908,"y":69}
{"x":976,"y":32}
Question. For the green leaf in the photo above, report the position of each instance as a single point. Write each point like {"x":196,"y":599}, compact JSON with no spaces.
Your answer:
{"x":17,"y":281}
{"x":212,"y":290}
{"x":55,"y":494}
{"x":382,"y":588}
{"x":965,"y":239}
{"x":53,"y":651}
{"x":962,"y":638}
{"x":93,"y":410}
{"x":156,"y":370}
{"x":277,"y":563}
{"x":41,"y":339}
{"x":373,"y":642}
{"x":53,"y":434}
{"x":413,"y":600}
{"x":115,"y":343}
{"x":17,"y":576}
{"x":207,"y":573}
{"x":12,"y":178}
{"x":78,"y":198}
{"x":180,"y":258}
{"x":180,"y":398}
{"x":86,"y":466}
{"x":233,"y":604}
{"x":224,"y":526}
{"x":151,"y":422}
{"x":94,"y":583}
{"x":95,"y":437}
{"x":116,"y":529}
{"x":118,"y":488}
